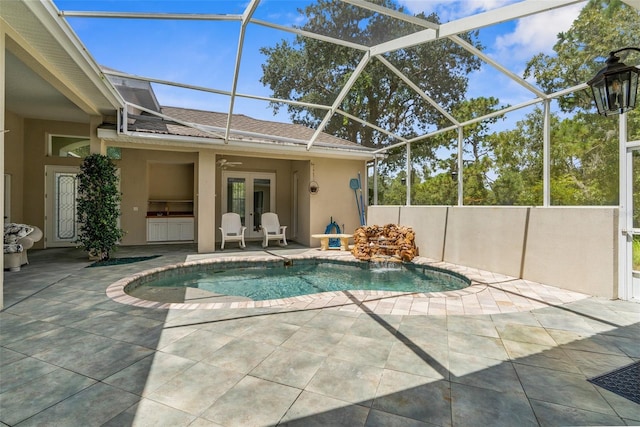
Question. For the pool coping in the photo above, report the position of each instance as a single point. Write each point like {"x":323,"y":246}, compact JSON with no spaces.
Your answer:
{"x":117,"y":290}
{"x":481,"y":282}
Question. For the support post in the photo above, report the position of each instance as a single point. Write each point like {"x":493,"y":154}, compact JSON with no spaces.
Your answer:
{"x":546,"y":155}
{"x":408,"y":201}
{"x":460,"y":167}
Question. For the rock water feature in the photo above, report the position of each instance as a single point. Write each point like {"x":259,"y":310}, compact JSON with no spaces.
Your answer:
{"x":384,"y":244}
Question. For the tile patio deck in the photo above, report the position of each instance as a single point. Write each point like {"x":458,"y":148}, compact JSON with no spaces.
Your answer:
{"x":506,"y":352}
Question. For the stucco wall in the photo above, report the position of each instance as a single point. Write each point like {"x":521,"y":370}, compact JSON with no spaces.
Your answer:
{"x":431,"y":221}
{"x":138,"y":181}
{"x":35,"y":149}
{"x":13,"y":158}
{"x":572,"y":248}
{"x":489,"y":238}
{"x":335,"y":199}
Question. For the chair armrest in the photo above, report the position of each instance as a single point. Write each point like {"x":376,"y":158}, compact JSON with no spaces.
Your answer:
{"x":282,"y":229}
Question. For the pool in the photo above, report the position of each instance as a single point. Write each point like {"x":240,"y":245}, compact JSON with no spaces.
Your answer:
{"x":285,"y":279}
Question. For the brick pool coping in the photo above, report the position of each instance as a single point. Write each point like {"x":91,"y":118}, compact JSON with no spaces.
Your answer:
{"x":488,"y":293}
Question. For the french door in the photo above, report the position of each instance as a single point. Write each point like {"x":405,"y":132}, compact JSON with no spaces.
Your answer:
{"x":61,"y":221}
{"x":249,"y":194}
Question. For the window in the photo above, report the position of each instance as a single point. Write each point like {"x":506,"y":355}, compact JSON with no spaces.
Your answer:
{"x":74,"y":146}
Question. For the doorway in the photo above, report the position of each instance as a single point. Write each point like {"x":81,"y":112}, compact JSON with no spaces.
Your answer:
{"x":61,"y":192}
{"x":249,"y":194}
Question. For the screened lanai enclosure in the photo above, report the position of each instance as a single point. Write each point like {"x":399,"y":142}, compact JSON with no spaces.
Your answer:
{"x":476,"y":122}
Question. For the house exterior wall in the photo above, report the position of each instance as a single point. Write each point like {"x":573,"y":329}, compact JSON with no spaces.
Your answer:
{"x":14,"y":157}
{"x":138,"y":186}
{"x":35,"y":158}
{"x":335,"y":199}
{"x":572,"y":248}
{"x":301,"y":170}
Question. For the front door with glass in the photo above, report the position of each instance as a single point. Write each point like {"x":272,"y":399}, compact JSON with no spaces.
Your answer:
{"x":250,"y":195}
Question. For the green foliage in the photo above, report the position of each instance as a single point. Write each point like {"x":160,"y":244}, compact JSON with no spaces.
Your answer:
{"x":602,"y":26}
{"x":98,"y":206}
{"x":315,"y":71}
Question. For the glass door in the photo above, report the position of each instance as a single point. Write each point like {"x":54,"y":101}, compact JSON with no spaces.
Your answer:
{"x":61,"y":223}
{"x":250,"y":195}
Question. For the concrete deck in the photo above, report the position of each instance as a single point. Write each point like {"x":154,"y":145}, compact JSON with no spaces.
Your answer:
{"x":509,"y":353}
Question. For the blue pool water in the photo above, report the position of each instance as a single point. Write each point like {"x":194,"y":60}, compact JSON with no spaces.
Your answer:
{"x":303,"y":278}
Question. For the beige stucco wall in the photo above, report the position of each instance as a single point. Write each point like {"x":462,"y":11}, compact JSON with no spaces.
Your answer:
{"x":489,"y":238}
{"x":14,"y":156}
{"x":431,"y":221}
{"x":335,"y":199}
{"x":149,"y":174}
{"x":301,"y":171}
{"x":572,"y":248}
{"x":35,"y":149}
{"x":381,"y":215}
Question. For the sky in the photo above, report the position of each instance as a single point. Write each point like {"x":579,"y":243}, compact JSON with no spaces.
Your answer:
{"x":203,"y":53}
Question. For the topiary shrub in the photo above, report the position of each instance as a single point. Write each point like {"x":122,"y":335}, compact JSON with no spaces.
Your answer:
{"x":98,"y":206}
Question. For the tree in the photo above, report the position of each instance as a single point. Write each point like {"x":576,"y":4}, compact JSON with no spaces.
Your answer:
{"x":315,"y":71}
{"x":98,"y":206}
{"x":602,"y":26}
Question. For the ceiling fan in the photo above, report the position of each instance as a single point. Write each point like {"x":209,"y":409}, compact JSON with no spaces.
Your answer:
{"x":224,"y":163}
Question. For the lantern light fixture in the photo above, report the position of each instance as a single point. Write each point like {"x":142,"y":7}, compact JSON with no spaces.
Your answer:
{"x":615,"y":87}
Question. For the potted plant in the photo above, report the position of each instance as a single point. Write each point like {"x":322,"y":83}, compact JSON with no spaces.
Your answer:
{"x":98,"y":206}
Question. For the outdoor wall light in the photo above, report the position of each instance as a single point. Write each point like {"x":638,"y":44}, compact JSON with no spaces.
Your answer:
{"x":615,"y":87}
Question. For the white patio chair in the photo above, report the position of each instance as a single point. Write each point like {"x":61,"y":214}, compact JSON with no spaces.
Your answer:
{"x":272,"y":229}
{"x":232,"y":229}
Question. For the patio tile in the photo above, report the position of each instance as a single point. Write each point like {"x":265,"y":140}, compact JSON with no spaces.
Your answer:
{"x":18,"y":328}
{"x":289,"y":367}
{"x":429,"y":361}
{"x":273,"y":333}
{"x":198,"y":345}
{"x":416,"y":397}
{"x":550,"y":414}
{"x":482,"y":372}
{"x":147,"y":375}
{"x":346,"y":381}
{"x":240,"y":355}
{"x":483,"y":407}
{"x":9,"y":356}
{"x":561,"y":388}
{"x":22,"y":371}
{"x":376,"y":327}
{"x":541,"y":356}
{"x":27,"y":399}
{"x":316,"y":410}
{"x":384,"y":419}
{"x":91,"y":407}
{"x":95,"y":357}
{"x":475,"y":326}
{"x":331,"y":321}
{"x":150,"y":413}
{"x":195,"y":389}
{"x":594,"y":364}
{"x":525,"y":334}
{"x":313,"y":340}
{"x":362,"y":350}
{"x":269,"y":403}
{"x":491,"y":348}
